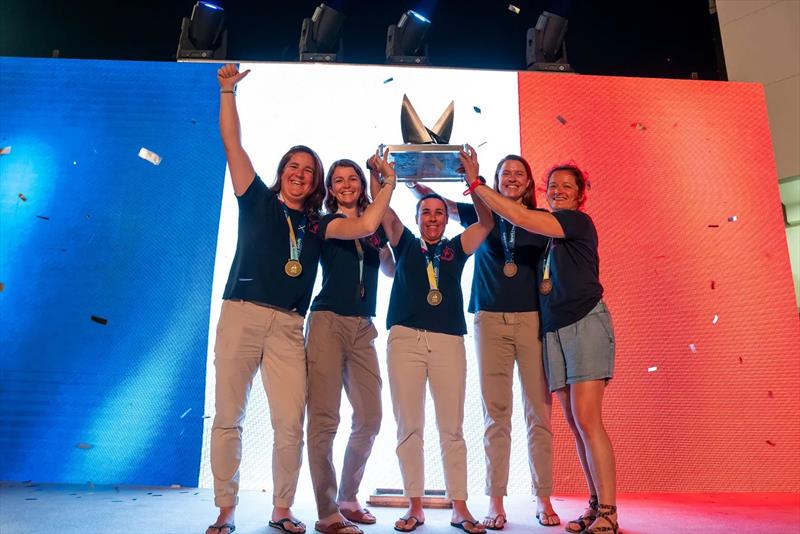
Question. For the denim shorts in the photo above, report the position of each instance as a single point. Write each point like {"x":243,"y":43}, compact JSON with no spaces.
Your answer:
{"x":581,"y":351}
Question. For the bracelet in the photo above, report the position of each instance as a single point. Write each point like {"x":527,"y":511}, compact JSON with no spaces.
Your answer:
{"x":390,"y":180}
{"x":231,"y":91}
{"x":480,"y":180}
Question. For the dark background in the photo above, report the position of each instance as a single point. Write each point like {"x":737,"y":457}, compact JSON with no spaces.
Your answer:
{"x":652,"y":38}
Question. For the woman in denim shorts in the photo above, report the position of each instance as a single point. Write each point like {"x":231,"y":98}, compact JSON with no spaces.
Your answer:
{"x":578,"y":338}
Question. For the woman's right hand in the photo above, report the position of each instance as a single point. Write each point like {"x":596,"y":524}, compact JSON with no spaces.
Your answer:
{"x":228,"y":76}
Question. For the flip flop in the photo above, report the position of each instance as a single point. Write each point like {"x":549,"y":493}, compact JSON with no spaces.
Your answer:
{"x":473,"y":524}
{"x":280,"y":524}
{"x":363,"y":516}
{"x":545,"y":515}
{"x":494,"y":522}
{"x":417,"y":523}
{"x":335,"y":528}
{"x":230,"y":526}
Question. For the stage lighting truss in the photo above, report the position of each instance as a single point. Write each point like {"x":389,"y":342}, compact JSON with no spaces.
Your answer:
{"x":319,"y":35}
{"x":547,"y":49}
{"x":203,"y":36}
{"x":405,"y":41}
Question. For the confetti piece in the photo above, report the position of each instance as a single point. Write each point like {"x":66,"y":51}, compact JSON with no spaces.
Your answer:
{"x":5,"y":151}
{"x":692,"y":347}
{"x":206,"y":417}
{"x":733,"y":218}
{"x":561,"y":119}
{"x":713,"y":285}
{"x":387,"y":80}
{"x":741,"y":360}
{"x":117,"y":501}
{"x":713,"y":226}
{"x":35,"y":499}
{"x":638,"y":126}
{"x":85,"y":446}
{"x":43,"y":217}
{"x":2,"y":287}
{"x":715,"y":319}
{"x":652,"y":369}
{"x":152,"y":157}
{"x":477,"y":109}
{"x":22,"y":197}
{"x":770,"y":395}
{"x":100,"y":320}
{"x":513,"y":9}
{"x":175,"y":486}
{"x":186,"y":412}
{"x":245,"y":279}
{"x":194,"y":121}
{"x":480,"y":145}
{"x":771,"y":444}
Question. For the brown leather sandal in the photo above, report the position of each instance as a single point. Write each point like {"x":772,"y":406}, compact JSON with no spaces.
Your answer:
{"x":605,"y":511}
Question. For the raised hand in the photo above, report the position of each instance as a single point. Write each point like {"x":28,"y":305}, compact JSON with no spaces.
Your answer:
{"x":469,"y":162}
{"x":228,"y":76}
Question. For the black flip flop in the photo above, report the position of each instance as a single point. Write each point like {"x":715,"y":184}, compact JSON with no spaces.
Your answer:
{"x":279,"y":524}
{"x":230,"y":526}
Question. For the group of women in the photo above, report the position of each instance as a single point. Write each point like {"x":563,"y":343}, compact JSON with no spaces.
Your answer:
{"x":535,"y":271}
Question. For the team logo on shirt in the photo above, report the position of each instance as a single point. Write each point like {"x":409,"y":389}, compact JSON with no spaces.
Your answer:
{"x":448,"y":254}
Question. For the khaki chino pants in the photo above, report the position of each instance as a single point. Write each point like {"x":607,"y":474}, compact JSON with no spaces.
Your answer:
{"x":417,"y":357}
{"x":503,"y":339}
{"x":249,"y":337}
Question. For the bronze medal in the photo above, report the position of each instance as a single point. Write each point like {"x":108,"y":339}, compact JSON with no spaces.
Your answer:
{"x":545,"y":286}
{"x":293,"y":268}
{"x":434,"y":297}
{"x":510,"y":269}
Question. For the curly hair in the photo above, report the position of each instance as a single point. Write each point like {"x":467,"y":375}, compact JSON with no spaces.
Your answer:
{"x":313,"y":202}
{"x":331,"y":204}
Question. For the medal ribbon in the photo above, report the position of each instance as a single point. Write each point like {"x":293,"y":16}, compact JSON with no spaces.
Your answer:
{"x":433,"y":265}
{"x":295,"y":243}
{"x":508,"y":240}
{"x":546,"y":273}
{"x":360,"y":251}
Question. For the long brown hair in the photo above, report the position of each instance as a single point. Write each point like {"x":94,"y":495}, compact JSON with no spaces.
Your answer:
{"x":529,"y":197}
{"x":313,"y":202}
{"x":331,"y":204}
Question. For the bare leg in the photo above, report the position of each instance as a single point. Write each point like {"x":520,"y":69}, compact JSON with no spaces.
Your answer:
{"x":496,"y":517}
{"x":226,"y":515}
{"x":566,"y":405}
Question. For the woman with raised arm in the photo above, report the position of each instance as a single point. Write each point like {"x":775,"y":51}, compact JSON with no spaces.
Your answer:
{"x":505,"y":302}
{"x":340,"y":347}
{"x":578,"y":334}
{"x":426,"y":346}
{"x":265,"y":301}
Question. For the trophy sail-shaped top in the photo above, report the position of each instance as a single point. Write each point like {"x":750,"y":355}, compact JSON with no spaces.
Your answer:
{"x":426,"y":154}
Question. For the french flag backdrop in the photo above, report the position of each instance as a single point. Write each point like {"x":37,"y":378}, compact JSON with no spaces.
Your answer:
{"x":112,"y":267}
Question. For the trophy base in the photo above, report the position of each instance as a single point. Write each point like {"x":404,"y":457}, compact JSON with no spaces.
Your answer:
{"x":425,"y":163}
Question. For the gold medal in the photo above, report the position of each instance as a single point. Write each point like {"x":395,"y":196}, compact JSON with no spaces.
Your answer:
{"x":545,"y":286}
{"x":510,"y":269}
{"x":293,"y":268}
{"x":434,"y":297}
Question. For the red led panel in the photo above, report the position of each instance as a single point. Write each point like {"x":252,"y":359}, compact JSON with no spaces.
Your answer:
{"x":696,"y":271}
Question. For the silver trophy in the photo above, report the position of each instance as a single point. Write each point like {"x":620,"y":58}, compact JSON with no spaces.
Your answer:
{"x":425,"y":155}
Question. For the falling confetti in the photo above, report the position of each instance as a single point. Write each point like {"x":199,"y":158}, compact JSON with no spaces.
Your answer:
{"x":387,"y":80}
{"x":770,"y":395}
{"x":99,"y":320}
{"x":43,"y":217}
{"x":692,"y":347}
{"x":733,"y":218}
{"x":477,"y":109}
{"x":480,"y":145}
{"x":713,"y":285}
{"x":652,"y":369}
{"x":638,"y":126}
{"x":35,"y":499}
{"x":22,"y":197}
{"x":185,"y":413}
{"x":84,"y":446}
{"x":5,"y":151}
{"x":513,"y":9}
{"x":741,"y":360}
{"x":152,"y":157}
{"x":771,"y":444}
{"x":713,"y":226}
{"x":561,"y":119}
{"x":715,"y":319}
{"x":175,"y":486}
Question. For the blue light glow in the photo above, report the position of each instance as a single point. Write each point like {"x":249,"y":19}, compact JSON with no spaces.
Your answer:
{"x":419,"y":17}
{"x":211,"y":6}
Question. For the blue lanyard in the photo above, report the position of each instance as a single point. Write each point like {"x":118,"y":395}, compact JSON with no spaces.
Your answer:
{"x":508,"y":240}
{"x":295,"y":244}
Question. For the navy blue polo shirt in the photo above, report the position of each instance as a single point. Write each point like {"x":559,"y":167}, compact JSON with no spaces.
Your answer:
{"x":574,"y":272}
{"x":408,"y":305}
{"x":262,"y":249}
{"x":340,"y":275}
{"x":491,"y":289}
